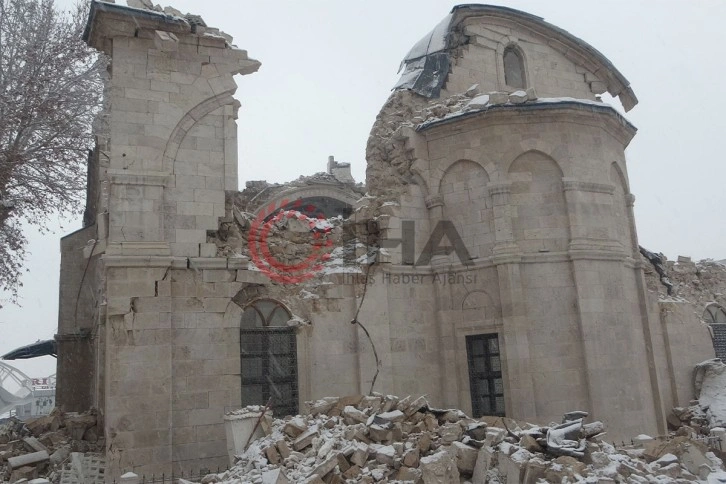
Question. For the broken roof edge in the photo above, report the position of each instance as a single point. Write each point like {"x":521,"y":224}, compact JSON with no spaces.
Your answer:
{"x":617,"y":84}
{"x":542,"y":103}
{"x":179,"y":24}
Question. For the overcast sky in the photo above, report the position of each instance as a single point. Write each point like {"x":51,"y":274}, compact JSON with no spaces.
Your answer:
{"x":328,"y":66}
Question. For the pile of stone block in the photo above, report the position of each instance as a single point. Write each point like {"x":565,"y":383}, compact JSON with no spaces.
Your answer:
{"x":43,"y":447}
{"x":386,"y":439}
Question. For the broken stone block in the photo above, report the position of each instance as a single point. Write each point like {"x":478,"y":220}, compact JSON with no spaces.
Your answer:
{"x":518,"y":97}
{"x":392,"y":416}
{"x":354,"y":414}
{"x":477,"y":430}
{"x":352,"y":473}
{"x":411,"y":458}
{"x":34,"y":444}
{"x":305,"y":439}
{"x":28,"y":459}
{"x":343,"y":463}
{"x":283,"y":449}
{"x":378,"y":433}
{"x":498,"y":98}
{"x":512,"y":467}
{"x":385,"y":454}
{"x":465,"y":457}
{"x":91,"y":435}
{"x":275,"y":476}
{"x":592,"y":429}
{"x":60,"y":455}
{"x":325,"y":466}
{"x":272,"y":455}
{"x":26,"y":472}
{"x":534,"y":471}
{"x":42,"y":425}
{"x":530,"y":444}
{"x":408,"y":474}
{"x":294,"y":427}
{"x":424,"y":442}
{"x":439,"y":468}
{"x":76,"y":424}
{"x":324,"y":405}
{"x":494,"y":436}
{"x":531,"y":94}
{"x":360,"y":454}
{"x":415,"y":406}
{"x":450,"y":432}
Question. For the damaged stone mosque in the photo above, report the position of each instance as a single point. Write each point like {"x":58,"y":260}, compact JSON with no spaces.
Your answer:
{"x":490,"y":261}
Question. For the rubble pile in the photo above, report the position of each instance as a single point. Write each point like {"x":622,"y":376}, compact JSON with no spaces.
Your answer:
{"x":388,"y":152}
{"x":705,"y":418}
{"x":41,"y":447}
{"x":386,"y":439}
{"x":699,"y":282}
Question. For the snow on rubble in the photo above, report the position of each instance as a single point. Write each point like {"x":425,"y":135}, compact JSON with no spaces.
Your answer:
{"x":386,"y":439}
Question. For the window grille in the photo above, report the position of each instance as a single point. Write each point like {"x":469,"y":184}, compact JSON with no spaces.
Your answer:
{"x":485,"y":374}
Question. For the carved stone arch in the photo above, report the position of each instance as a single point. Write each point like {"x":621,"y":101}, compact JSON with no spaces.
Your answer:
{"x":467,"y":204}
{"x":540,"y":221}
{"x":476,"y":300}
{"x":526,"y":146}
{"x":505,"y":44}
{"x":617,"y":175}
{"x":455,"y":158}
{"x":283,"y":198}
{"x":188,"y":121}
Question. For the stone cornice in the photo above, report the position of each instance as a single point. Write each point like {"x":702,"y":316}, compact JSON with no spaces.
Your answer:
{"x":583,"y":186}
{"x":160,"y":180}
{"x":566,"y":110}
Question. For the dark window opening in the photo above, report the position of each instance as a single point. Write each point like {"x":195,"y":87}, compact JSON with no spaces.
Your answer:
{"x":514,"y":68}
{"x":485,"y":375}
{"x":715,"y":316}
{"x":268,"y":358}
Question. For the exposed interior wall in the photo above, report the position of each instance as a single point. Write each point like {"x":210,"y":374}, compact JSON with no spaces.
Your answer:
{"x":77,"y":317}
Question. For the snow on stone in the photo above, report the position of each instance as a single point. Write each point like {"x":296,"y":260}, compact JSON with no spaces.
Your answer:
{"x":380,"y":438}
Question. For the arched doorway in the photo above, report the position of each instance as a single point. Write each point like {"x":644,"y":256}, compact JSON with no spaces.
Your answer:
{"x":268,"y":357}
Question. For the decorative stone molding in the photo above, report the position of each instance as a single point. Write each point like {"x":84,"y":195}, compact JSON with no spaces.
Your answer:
{"x":582,"y":186}
{"x":142,"y":261}
{"x":433,"y":201}
{"x":134,"y":179}
{"x":629,"y":199}
{"x":138,"y":249}
{"x":208,"y":263}
{"x":502,"y":188}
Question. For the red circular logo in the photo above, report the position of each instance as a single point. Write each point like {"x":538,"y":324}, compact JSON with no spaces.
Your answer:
{"x":260,"y":247}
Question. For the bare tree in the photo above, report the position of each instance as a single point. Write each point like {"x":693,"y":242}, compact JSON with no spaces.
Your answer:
{"x":50,"y":91}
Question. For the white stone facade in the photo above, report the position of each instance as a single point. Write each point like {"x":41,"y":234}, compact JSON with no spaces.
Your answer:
{"x":535,"y":185}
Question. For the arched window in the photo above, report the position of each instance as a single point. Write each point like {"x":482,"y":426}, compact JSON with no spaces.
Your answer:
{"x":268,"y":357}
{"x":715,"y":316}
{"x":514,"y":68}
